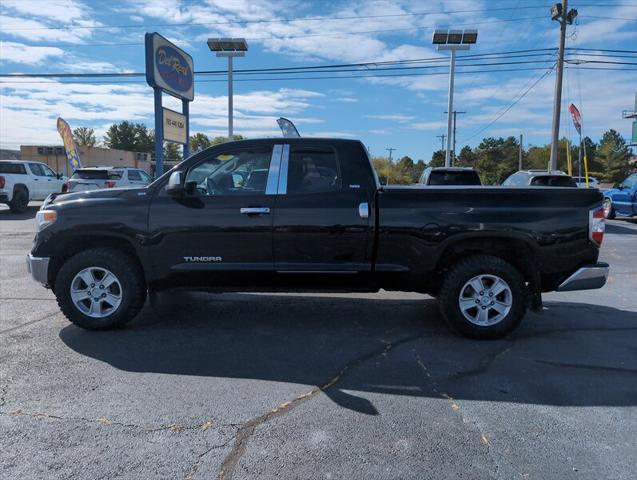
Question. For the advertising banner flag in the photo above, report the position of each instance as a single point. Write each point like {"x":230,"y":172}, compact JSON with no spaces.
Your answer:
{"x":288,"y":128}
{"x":577,"y":118}
{"x":72,"y":153}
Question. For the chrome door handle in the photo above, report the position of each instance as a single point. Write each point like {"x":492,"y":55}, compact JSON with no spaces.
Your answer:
{"x":255,"y":210}
{"x":363,"y":210}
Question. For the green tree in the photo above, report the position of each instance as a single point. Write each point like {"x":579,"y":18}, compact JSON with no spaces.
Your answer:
{"x":84,"y":137}
{"x":466,"y":158}
{"x":198,"y":142}
{"x":134,"y":137}
{"x":172,"y":152}
{"x":437,"y":159}
{"x":224,"y":139}
{"x":614,"y":155}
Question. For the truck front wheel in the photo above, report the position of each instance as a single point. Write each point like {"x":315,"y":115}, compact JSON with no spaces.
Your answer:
{"x":100,"y":289}
{"x":483,"y":297}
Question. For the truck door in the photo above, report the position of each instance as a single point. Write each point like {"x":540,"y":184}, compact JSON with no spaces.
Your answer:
{"x":624,"y":199}
{"x":321,"y":219}
{"x":226,"y":226}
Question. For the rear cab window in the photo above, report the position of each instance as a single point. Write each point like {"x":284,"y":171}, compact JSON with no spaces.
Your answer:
{"x":553,"y":181}
{"x":454,"y":178}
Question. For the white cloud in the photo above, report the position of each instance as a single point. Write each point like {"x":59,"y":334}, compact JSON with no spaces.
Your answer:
{"x":25,"y":54}
{"x":393,"y":117}
{"x":29,"y":109}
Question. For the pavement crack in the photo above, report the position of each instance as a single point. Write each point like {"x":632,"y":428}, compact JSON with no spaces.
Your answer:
{"x":31,"y":322}
{"x":173,"y":427}
{"x":247,"y":430}
{"x":484,"y":363}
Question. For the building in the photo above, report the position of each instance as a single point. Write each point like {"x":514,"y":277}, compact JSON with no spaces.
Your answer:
{"x":55,"y":157}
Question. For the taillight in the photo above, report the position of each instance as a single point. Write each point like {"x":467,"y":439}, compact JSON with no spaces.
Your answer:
{"x":110,"y":183}
{"x":596,"y":225}
{"x":1,"y":182}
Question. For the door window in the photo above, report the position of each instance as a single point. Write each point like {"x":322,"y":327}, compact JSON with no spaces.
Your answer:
{"x":630,"y":182}
{"x":48,"y":172}
{"x":312,"y":170}
{"x":236,"y":172}
{"x":36,"y":169}
{"x":134,"y":176}
{"x":145,"y":177}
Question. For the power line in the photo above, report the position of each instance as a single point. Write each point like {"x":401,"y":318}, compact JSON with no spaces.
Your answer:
{"x":511,"y":105}
{"x":323,"y":69}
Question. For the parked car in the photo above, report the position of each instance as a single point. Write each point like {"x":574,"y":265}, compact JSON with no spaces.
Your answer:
{"x":23,"y":181}
{"x":93,"y":178}
{"x":306,"y":214}
{"x":622,"y":200}
{"x":449,"y":176}
{"x":539,"y":178}
{"x":581,"y":182}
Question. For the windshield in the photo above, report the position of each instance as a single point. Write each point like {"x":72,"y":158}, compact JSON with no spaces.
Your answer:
{"x":97,"y":175}
{"x":454,"y":178}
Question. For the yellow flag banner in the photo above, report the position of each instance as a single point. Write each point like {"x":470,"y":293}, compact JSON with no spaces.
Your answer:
{"x":72,"y":153}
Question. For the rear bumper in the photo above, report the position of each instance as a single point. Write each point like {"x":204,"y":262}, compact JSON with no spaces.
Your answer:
{"x":38,"y":268}
{"x":586,"y":278}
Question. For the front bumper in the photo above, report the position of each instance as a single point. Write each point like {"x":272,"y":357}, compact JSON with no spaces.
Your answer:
{"x":38,"y":268}
{"x":586,"y":278}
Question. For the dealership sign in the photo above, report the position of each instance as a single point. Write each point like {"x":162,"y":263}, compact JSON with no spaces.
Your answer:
{"x":168,"y":67}
{"x":174,"y":126}
{"x":169,"y":70}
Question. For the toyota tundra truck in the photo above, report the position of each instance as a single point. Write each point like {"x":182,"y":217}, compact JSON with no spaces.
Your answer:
{"x":310,"y":215}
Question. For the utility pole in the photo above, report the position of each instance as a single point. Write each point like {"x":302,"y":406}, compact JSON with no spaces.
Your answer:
{"x":442,"y":141}
{"x":559,"y":13}
{"x":390,"y":150}
{"x":520,"y":154}
{"x":453,"y":151}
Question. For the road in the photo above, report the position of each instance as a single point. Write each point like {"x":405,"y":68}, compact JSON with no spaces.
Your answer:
{"x":317,"y":386}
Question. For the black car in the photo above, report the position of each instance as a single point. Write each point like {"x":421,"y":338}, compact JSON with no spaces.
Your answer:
{"x":539,"y":178}
{"x":449,"y":176}
{"x":303,"y":214}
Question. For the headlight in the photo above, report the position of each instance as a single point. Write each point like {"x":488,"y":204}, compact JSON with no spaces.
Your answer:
{"x":44,"y":218}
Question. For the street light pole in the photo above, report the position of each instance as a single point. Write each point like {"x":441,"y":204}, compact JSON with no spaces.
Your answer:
{"x":230,"y":48}
{"x":230,"y":105}
{"x":452,"y":71}
{"x":452,"y":40}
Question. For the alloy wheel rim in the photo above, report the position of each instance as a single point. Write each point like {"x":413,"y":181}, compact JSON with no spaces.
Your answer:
{"x":485,"y":300}
{"x":96,"y":292}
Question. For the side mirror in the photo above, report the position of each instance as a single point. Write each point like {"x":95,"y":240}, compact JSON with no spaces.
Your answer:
{"x":620,"y":186}
{"x":382,"y":179}
{"x":175,"y":187}
{"x":58,"y":176}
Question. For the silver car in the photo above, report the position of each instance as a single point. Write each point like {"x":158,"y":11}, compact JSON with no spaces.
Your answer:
{"x":93,"y":178}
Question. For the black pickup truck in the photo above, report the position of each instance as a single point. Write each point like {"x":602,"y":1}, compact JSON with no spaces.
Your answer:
{"x":310,"y":215}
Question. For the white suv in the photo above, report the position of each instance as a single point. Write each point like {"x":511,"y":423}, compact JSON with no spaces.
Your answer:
{"x":93,"y":178}
{"x":23,"y":181}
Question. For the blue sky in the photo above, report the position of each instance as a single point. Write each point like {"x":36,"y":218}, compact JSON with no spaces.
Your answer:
{"x":403,"y":112}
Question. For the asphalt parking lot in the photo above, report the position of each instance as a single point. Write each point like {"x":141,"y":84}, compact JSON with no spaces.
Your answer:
{"x":317,"y":386}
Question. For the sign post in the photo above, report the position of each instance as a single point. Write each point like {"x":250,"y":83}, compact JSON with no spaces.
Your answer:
{"x":169,"y":69}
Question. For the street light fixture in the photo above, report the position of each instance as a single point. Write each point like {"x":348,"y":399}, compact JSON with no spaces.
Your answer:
{"x":230,"y":48}
{"x":453,"y":40}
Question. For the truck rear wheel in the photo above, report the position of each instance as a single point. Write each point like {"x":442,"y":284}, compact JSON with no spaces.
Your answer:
{"x":20,"y":200}
{"x":100,"y":289}
{"x":483,"y":297}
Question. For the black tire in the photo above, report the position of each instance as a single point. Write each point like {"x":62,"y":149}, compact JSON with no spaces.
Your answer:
{"x":609,"y":209}
{"x":20,"y":200}
{"x":127,"y":272}
{"x":455,"y":281}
